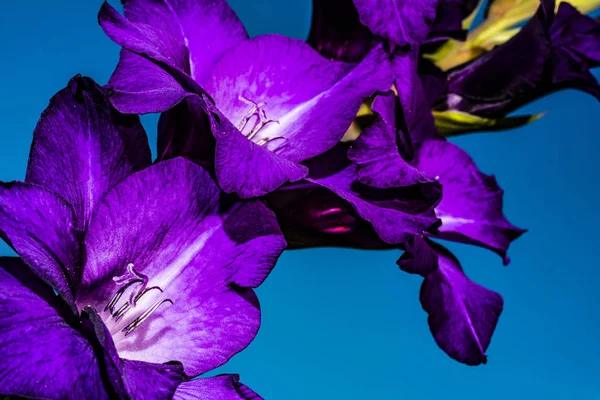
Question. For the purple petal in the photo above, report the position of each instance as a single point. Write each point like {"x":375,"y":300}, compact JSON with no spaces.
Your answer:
{"x":404,"y":121}
{"x":199,"y":246}
{"x":81,"y":147}
{"x":336,"y":31}
{"x":130,"y":379}
{"x":151,"y":381}
{"x":376,"y":151}
{"x":462,"y":314}
{"x":144,"y":39}
{"x":42,"y":355}
{"x":40,"y":226}
{"x":418,"y":120}
{"x":221,"y":387}
{"x":449,"y":18}
{"x":312,"y":116}
{"x":97,"y":334}
{"x":395,"y":213}
{"x":401,"y":21}
{"x":141,"y":86}
{"x":186,"y":131}
{"x":471,"y":206}
{"x":207,"y":28}
{"x":433,"y":79}
{"x":179,"y":40}
{"x":578,"y":33}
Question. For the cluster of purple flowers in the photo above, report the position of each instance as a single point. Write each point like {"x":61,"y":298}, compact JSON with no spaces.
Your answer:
{"x":135,"y":278}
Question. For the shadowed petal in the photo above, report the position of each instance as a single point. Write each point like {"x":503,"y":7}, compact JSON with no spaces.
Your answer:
{"x":312,"y":216}
{"x":81,"y":147}
{"x":130,"y":379}
{"x":462,"y":314}
{"x":401,"y":21}
{"x":433,"y":79}
{"x":336,"y":31}
{"x":577,"y":32}
{"x":395,"y":213}
{"x":418,"y":120}
{"x":186,"y":131}
{"x":471,"y":206}
{"x":40,"y":226}
{"x":199,"y":246}
{"x":206,"y":27}
{"x":312,"y":116}
{"x":151,"y":381}
{"x":221,"y":387}
{"x":42,"y":355}
{"x":380,"y":164}
{"x":449,"y":19}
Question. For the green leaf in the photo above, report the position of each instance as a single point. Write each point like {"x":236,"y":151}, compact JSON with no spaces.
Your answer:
{"x":454,"y":123}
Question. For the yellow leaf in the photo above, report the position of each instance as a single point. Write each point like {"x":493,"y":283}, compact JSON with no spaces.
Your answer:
{"x":454,"y":123}
{"x":498,"y":27}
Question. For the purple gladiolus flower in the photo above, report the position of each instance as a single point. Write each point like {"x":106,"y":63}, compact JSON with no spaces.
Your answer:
{"x":270,"y":102}
{"x":551,"y":52}
{"x":153,"y":265}
{"x":276,"y":112}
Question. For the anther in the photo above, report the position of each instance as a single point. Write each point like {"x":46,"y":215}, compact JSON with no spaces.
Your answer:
{"x":144,"y":316}
{"x":266,"y":140}
{"x":131,"y":276}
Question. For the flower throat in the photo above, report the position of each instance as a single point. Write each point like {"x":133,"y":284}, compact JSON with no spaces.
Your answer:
{"x":128,"y":281}
{"x":261,"y":121}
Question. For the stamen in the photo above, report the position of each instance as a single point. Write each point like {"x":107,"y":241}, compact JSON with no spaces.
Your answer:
{"x":263,"y":121}
{"x":253,"y":111}
{"x":256,"y":109}
{"x":127,"y":306}
{"x":145,"y":315}
{"x":127,"y":280}
{"x":113,"y":302}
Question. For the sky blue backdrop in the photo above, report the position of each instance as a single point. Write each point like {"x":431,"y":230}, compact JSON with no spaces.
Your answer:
{"x":343,"y":324}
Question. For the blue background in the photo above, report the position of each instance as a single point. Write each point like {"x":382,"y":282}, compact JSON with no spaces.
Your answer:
{"x":344,"y":324}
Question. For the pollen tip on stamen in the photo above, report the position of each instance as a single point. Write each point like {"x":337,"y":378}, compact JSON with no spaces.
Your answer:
{"x":266,"y":140}
{"x":144,"y":316}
